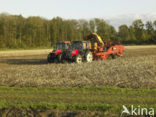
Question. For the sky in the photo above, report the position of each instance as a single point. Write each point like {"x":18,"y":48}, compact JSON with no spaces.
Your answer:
{"x":77,"y":9}
{"x":115,"y":12}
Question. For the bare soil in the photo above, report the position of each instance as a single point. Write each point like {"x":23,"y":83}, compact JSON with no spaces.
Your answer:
{"x":135,"y":69}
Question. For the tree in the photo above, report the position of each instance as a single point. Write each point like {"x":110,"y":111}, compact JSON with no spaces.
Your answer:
{"x":154,"y":24}
{"x":19,"y":32}
{"x":92,"y":26}
{"x":140,"y":33}
{"x":105,"y":30}
{"x":132,"y":35}
{"x":150,"y":31}
{"x":124,"y":33}
{"x":153,"y":40}
{"x":84,"y":27}
{"x":149,"y":26}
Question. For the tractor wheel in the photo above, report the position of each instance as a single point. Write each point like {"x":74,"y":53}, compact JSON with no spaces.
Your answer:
{"x":110,"y":56}
{"x":64,"y":61}
{"x":59,"y":58}
{"x":78,"y":59}
{"x":49,"y":59}
{"x":56,"y":61}
{"x":89,"y":57}
{"x":114,"y":56}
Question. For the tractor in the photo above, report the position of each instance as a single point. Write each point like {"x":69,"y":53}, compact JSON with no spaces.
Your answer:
{"x":56,"y":54}
{"x":79,"y":52}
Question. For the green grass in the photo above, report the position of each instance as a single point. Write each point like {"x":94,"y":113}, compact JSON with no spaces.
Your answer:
{"x":94,"y":98}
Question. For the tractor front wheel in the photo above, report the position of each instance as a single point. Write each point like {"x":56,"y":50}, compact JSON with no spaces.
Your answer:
{"x":59,"y":58}
{"x":78,"y":59}
{"x":114,"y":56}
{"x":89,"y":57}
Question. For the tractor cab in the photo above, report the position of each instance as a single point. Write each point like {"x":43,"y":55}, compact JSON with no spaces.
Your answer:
{"x":80,"y":51}
{"x":81,"y":45}
{"x":56,"y":54}
{"x":63,"y":45}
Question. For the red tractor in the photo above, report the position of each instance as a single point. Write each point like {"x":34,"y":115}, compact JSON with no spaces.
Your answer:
{"x":56,"y":54}
{"x":79,"y":52}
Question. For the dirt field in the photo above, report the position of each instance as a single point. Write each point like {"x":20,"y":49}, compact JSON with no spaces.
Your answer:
{"x":135,"y":69}
{"x":11,"y":53}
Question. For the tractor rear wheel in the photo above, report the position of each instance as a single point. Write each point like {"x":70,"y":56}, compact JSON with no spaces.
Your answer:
{"x":78,"y":59}
{"x":59,"y":58}
{"x":114,"y":56}
{"x":89,"y":57}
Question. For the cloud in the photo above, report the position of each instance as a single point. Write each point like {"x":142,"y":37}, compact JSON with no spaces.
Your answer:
{"x":128,"y":19}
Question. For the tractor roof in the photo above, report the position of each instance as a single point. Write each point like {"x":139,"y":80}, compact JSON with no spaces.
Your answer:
{"x":64,"y":42}
{"x":80,"y":41}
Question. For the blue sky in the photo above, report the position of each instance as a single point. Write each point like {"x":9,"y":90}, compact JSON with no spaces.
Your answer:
{"x":77,"y":9}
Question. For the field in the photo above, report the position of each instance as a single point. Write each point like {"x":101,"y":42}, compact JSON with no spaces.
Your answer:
{"x":30,"y":85}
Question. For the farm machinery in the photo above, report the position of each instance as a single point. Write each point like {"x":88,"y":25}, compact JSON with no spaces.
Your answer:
{"x":80,"y":51}
{"x":56,"y":54}
{"x":91,"y":48}
{"x":103,"y":51}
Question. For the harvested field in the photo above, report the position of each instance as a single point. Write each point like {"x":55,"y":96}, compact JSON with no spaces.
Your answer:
{"x":12,"y":53}
{"x":141,"y":47}
{"x":136,"y":69}
{"x":31,"y":87}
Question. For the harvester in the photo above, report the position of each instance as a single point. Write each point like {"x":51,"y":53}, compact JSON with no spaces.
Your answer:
{"x":103,"y":51}
{"x":56,"y":54}
{"x":92,"y":48}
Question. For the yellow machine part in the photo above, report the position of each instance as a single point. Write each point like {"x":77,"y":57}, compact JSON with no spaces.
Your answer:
{"x":95,"y":46}
{"x":99,"y":38}
{"x":95,"y":40}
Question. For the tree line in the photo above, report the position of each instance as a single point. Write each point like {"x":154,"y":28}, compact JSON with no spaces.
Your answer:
{"x":19,"y":32}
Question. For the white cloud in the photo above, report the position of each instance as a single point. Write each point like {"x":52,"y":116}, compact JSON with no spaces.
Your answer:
{"x":128,"y":19}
